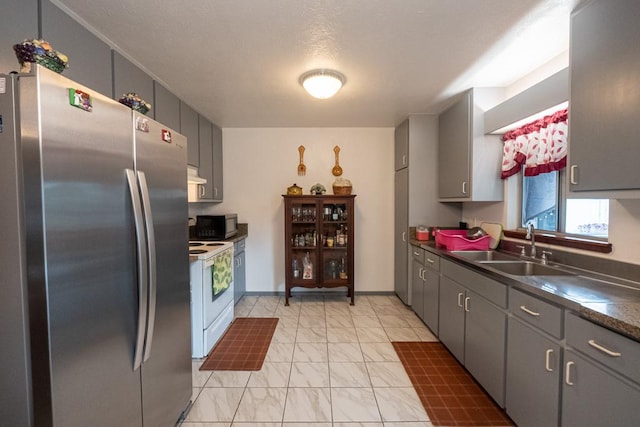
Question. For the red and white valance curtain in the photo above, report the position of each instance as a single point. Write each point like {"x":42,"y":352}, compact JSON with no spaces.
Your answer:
{"x":541,"y":146}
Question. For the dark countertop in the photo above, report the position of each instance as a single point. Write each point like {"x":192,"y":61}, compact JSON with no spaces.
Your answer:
{"x":243,"y":232}
{"x":608,"y":301}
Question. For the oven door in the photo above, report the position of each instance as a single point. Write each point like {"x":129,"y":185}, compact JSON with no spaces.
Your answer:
{"x":216,"y":286}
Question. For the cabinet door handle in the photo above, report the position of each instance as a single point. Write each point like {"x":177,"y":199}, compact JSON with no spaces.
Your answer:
{"x":416,"y":253}
{"x":422,"y":271}
{"x":215,"y":191}
{"x":430,"y":261}
{"x":202,"y":190}
{"x":460,"y":295}
{"x":573,"y":175}
{"x":547,"y":360}
{"x":603,"y":349}
{"x":404,"y":236}
{"x":464,"y":187}
{"x":404,"y":159}
{"x":526,"y":310}
{"x":567,"y":373}
{"x":466,"y":304}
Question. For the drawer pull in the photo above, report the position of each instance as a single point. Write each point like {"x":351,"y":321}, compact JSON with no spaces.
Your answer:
{"x":416,"y":253}
{"x":547,"y":360}
{"x":567,"y":374}
{"x":526,"y":310}
{"x":605,"y":350}
{"x":460,"y":294}
{"x":430,"y":261}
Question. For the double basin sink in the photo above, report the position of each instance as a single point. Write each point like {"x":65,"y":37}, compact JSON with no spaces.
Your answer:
{"x":510,"y":264}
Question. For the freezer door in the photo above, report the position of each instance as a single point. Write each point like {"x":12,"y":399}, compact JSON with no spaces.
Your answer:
{"x":81,"y":252}
{"x":161,"y":166}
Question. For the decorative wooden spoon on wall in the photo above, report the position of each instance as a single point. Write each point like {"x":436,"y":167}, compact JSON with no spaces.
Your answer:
{"x":302,"y":169}
{"x":337,"y":170}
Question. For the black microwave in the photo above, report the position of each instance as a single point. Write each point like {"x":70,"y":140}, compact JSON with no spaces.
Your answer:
{"x":216,"y":227}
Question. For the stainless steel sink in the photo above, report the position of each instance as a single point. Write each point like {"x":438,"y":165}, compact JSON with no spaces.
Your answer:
{"x":485,"y":256}
{"x":526,"y":268}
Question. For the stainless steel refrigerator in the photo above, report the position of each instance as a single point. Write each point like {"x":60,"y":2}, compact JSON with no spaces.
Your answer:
{"x":94,"y":308}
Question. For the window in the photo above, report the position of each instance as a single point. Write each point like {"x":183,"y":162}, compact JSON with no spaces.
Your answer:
{"x":542,"y":205}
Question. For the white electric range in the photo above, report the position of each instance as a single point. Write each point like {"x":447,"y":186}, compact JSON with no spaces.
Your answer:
{"x":211,"y":279}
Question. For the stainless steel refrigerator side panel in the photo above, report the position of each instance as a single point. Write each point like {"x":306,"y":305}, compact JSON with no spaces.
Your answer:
{"x":86,"y":280}
{"x":169,"y":365}
{"x":15,"y":375}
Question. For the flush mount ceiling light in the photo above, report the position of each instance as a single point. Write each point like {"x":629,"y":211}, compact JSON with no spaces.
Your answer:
{"x":322,"y":83}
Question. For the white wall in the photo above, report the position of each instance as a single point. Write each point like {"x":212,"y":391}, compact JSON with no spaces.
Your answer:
{"x":259,"y":165}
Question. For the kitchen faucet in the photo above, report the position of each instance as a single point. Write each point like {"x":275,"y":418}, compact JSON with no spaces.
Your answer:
{"x":531,"y":236}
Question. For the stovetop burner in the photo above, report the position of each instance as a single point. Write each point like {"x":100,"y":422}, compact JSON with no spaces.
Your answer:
{"x":197,"y":251}
{"x":195,"y":244}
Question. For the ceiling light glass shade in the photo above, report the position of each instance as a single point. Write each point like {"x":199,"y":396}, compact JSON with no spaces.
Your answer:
{"x":322,"y":84}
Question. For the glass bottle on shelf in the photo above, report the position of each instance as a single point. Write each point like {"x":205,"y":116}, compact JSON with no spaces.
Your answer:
{"x":334,"y":214}
{"x":307,"y":267}
{"x":343,"y":269}
{"x":296,"y":269}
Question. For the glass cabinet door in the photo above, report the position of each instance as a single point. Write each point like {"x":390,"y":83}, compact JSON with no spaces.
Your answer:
{"x":335,"y":242}
{"x":304,"y":241}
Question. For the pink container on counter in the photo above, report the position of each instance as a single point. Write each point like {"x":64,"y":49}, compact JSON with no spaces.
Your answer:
{"x":456,"y":240}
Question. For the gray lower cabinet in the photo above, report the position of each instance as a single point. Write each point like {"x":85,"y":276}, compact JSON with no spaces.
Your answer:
{"x":533,"y":376}
{"x":473,"y":328}
{"x":451,"y":321}
{"x":400,"y":240}
{"x":431,"y":279}
{"x":417,"y":281}
{"x":485,"y":342}
{"x":601,"y":380}
{"x":595,"y":396}
{"x":239,"y":271}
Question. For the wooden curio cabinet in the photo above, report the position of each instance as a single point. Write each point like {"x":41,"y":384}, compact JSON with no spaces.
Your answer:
{"x":319,"y":241}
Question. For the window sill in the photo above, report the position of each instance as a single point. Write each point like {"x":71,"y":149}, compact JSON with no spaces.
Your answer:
{"x":566,"y":241}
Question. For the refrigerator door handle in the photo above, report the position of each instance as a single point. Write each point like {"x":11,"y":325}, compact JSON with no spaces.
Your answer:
{"x":151,"y":253}
{"x":142,"y":270}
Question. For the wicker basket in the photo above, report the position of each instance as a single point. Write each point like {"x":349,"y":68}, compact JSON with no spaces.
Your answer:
{"x":342,"y":191}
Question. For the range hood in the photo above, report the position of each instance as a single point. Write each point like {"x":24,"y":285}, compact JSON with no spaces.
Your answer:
{"x":192,"y":176}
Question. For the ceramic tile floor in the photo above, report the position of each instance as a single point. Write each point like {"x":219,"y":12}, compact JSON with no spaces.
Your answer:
{"x":329,"y":364}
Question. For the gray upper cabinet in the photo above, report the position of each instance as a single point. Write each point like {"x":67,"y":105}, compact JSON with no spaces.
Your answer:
{"x":89,"y":57}
{"x":605,"y":98}
{"x":416,"y":142}
{"x":401,"y":145}
{"x":468,"y":160}
{"x":166,"y":108}
{"x":18,"y":21}
{"x":129,"y":78}
{"x":189,"y":128}
{"x":217,"y":178}
{"x":205,"y":146}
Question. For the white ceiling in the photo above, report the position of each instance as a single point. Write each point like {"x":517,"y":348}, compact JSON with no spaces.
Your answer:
{"x":238,"y":61}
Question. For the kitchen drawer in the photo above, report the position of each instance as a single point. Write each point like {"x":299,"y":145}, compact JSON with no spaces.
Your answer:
{"x":417,"y":254}
{"x":431,"y":261}
{"x":541,"y":314}
{"x":611,"y":349}
{"x":239,"y":246}
{"x":488,"y":288}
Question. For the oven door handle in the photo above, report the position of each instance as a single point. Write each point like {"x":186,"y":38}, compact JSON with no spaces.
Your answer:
{"x":141,"y":243}
{"x":151,"y":254}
